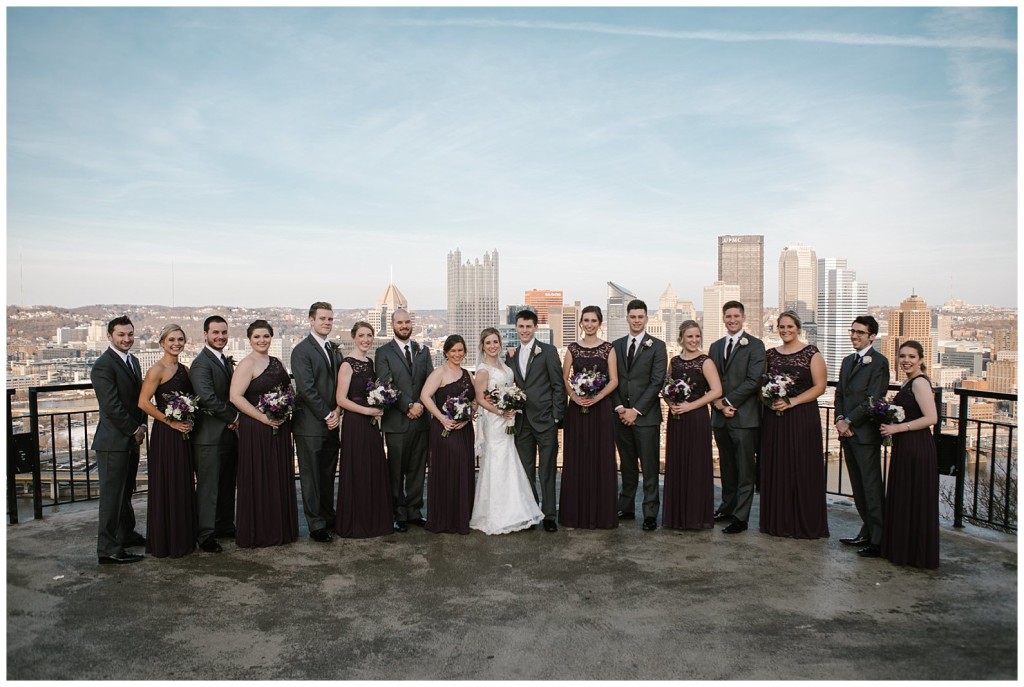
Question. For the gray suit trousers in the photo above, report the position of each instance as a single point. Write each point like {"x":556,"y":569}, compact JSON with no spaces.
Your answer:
{"x":528,"y":443}
{"x":864,"y":464}
{"x":736,"y":447}
{"x":318,"y":465}
{"x":639,"y":448}
{"x":407,"y":460}
{"x":118,"y":470}
{"x":216,"y":469}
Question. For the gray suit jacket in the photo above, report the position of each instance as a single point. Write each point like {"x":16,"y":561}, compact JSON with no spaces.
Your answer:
{"x":857,"y":384}
{"x":212,"y":383}
{"x":545,"y":390}
{"x":742,"y":378}
{"x":316,"y":385}
{"x":117,"y":391}
{"x":639,"y":386}
{"x":392,"y":366}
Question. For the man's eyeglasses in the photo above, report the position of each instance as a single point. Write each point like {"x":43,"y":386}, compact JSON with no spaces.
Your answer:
{"x":860,"y":332}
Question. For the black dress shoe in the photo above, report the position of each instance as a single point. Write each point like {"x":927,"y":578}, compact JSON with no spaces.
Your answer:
{"x":322,"y":536}
{"x":736,"y":527}
{"x":870,"y":551}
{"x":550,"y":526}
{"x":134,"y":539}
{"x":650,"y":524}
{"x":119,"y":558}
{"x":399,"y":526}
{"x":623,"y":515}
{"x":225,"y":534}
{"x":859,"y":540}
{"x":720,"y":516}
{"x":419,"y":522}
{"x":210,"y":545}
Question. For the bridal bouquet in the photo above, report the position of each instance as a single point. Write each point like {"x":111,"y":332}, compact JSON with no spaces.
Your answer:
{"x":587,"y":383}
{"x":508,"y":398}
{"x":181,"y":407}
{"x":278,"y":403}
{"x":380,"y":394}
{"x":885,"y":413}
{"x":456,"y":409}
{"x":778,"y":385}
{"x":676,"y":391}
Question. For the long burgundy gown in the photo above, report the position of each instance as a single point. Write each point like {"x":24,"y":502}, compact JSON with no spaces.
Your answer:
{"x":910,"y":530}
{"x":589,"y":490}
{"x":451,"y":475}
{"x":172,"y":524}
{"x":689,"y":470}
{"x":792,"y":462}
{"x":364,"y":483}
{"x":267,"y":513}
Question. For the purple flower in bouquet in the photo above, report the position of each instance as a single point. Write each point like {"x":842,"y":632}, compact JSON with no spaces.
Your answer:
{"x":278,"y":403}
{"x":676,"y":391}
{"x":885,"y":413}
{"x":181,"y":407}
{"x":588,"y":383}
{"x":456,"y":409}
{"x":508,"y":398}
{"x":380,"y":394}
{"x":777,"y":385}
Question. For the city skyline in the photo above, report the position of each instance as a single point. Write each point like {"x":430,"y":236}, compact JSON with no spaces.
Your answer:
{"x":586,"y":145}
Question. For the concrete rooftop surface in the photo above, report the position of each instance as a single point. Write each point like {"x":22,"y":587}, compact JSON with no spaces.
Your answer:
{"x":576,"y":604}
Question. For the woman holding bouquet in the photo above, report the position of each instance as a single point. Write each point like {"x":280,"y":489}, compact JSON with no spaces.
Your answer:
{"x":792,"y":468}
{"x":171,"y":524}
{"x":448,"y":397}
{"x":693,"y":383}
{"x":261,"y":391}
{"x":589,"y":492}
{"x":910,"y":531}
{"x":504,"y":501}
{"x":364,"y":483}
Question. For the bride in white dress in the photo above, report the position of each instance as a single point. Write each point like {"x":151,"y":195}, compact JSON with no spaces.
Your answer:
{"x":504,"y":501}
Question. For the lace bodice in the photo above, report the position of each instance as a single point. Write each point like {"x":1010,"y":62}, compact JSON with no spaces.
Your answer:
{"x":691,"y":371}
{"x":797,"y":365}
{"x":595,"y":358}
{"x":496,"y":376}
{"x":274,"y":375}
{"x":362,"y":375}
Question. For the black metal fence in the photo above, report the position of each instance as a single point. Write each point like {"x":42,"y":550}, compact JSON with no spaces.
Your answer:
{"x":52,"y":450}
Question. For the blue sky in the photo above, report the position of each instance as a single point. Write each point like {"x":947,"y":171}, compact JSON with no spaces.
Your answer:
{"x":281,"y":156}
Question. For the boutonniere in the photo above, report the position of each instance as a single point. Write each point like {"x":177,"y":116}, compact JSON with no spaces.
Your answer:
{"x":535,"y":351}
{"x":744,"y":341}
{"x":648,"y":343}
{"x":866,"y":360}
{"x":230,"y":361}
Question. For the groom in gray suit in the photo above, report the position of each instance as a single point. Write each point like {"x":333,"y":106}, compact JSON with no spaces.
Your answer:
{"x":315,"y":420}
{"x":642,"y":361}
{"x":736,"y":416}
{"x":538,"y":372}
{"x":864,"y":375}
{"x":214,"y":441}
{"x":405,"y":364}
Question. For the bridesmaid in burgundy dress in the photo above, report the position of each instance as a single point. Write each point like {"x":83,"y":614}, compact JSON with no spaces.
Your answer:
{"x":589,"y":491}
{"x":792,"y":466}
{"x":451,"y":475}
{"x":364,"y":486}
{"x":910,"y":532}
{"x":689,"y":469}
{"x":267,"y":513}
{"x":171,"y":525}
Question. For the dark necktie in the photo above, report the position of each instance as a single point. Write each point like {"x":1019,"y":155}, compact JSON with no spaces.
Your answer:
{"x":728,"y":349}
{"x":408,"y":356}
{"x":131,"y":366}
{"x":631,"y":353}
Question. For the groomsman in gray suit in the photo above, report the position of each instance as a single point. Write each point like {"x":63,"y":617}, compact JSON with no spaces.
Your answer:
{"x":214,"y":441}
{"x":736,"y":416}
{"x":117,"y":380}
{"x":538,"y":372}
{"x":405,"y":364}
{"x":315,"y":420}
{"x":864,"y":375}
{"x":642,"y":361}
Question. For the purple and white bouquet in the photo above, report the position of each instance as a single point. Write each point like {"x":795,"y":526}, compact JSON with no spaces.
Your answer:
{"x":278,"y":403}
{"x":380,"y":394}
{"x":588,"y":383}
{"x":777,"y":385}
{"x":456,"y":409}
{"x":885,"y":413}
{"x":508,"y":398}
{"x":676,"y":391}
{"x":181,"y":407}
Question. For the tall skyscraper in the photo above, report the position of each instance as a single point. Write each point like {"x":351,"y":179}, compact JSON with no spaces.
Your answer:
{"x":840,"y":299}
{"x":570,"y":329}
{"x":472,"y":298}
{"x":715,"y":296}
{"x":615,"y":316}
{"x":798,"y":285}
{"x":379,"y":316}
{"x":544,"y":302}
{"x":741,"y":261}
{"x":671,"y":313}
{"x":912,"y":320}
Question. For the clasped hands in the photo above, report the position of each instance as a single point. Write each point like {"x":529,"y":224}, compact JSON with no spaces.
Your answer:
{"x":843,"y":428}
{"x":628,"y":416}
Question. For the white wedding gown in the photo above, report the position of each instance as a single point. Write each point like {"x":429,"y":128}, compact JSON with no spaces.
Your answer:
{"x":504,"y":501}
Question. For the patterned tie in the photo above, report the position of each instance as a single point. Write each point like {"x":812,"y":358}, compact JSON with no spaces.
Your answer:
{"x":408,"y":356}
{"x":728,"y":349}
{"x":631,"y":353}
{"x":330,"y":358}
